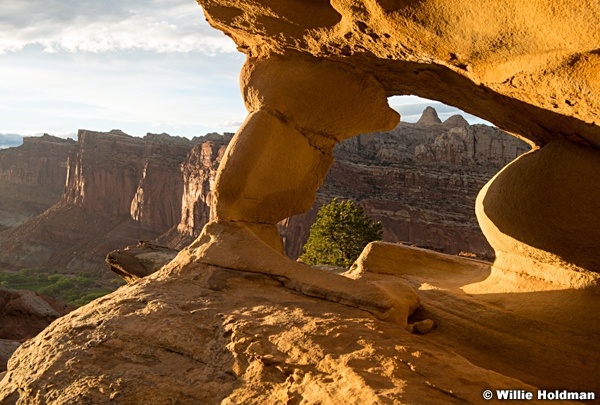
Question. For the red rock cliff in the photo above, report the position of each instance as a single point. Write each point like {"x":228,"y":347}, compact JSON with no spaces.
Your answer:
{"x":199,"y":173}
{"x":420,"y":180}
{"x":119,"y":189}
{"x":32,"y":177}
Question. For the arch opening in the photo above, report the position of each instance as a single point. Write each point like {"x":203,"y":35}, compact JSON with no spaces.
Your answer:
{"x":419,"y":179}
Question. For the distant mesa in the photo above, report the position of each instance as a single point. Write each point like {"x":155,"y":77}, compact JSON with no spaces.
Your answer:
{"x":429,"y":117}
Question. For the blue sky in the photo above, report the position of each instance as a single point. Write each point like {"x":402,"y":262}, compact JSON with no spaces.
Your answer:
{"x":137,"y":65}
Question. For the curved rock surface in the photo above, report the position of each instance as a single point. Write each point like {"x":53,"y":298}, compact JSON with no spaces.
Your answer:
{"x":204,"y":334}
{"x":528,"y":67}
{"x":195,"y":333}
{"x":216,"y":325}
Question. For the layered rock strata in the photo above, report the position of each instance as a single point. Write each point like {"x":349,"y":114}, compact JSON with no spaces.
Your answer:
{"x":420,"y":180}
{"x":119,"y":189}
{"x":199,"y":173}
{"x":316,"y":74}
{"x":32,"y":178}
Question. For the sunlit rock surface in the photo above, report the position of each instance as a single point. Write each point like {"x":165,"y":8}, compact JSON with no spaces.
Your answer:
{"x":231,"y":320}
{"x":419,"y":180}
{"x":535,"y":76}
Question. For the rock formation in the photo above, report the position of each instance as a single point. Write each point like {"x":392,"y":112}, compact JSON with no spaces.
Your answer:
{"x":136,"y":262}
{"x":419,"y":180}
{"x":203,"y":334}
{"x":429,"y":117}
{"x":534,"y":85}
{"x":231,"y":320}
{"x":199,"y":173}
{"x":32,"y":178}
{"x":23,"y":314}
{"x":119,"y":189}
{"x":439,"y":168}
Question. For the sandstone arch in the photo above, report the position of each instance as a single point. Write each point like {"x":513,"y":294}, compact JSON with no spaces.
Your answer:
{"x":536,"y":77}
{"x":183,"y":335}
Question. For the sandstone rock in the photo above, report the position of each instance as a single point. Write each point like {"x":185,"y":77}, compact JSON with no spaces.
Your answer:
{"x":421,"y":188}
{"x":119,"y":189}
{"x":518,"y":73}
{"x":32,"y":177}
{"x":23,"y":314}
{"x":235,"y":246}
{"x":429,"y":117}
{"x":526,"y":84}
{"x":535,"y":76}
{"x":539,"y":214}
{"x":279,"y":157}
{"x":7,"y":348}
{"x":274,"y":158}
{"x":433,"y":210}
{"x":108,"y":173}
{"x":204,"y":334}
{"x":454,"y":121}
{"x":317,"y":97}
{"x":157,"y":201}
{"x":199,"y":173}
{"x":135,"y":262}
{"x":422,"y":327}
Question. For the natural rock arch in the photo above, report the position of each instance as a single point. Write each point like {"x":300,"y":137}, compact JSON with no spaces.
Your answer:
{"x":306,"y":90}
{"x":198,"y":333}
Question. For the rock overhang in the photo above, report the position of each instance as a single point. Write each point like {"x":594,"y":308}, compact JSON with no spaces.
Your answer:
{"x":531,"y":68}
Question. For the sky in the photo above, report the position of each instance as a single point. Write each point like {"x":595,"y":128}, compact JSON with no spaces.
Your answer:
{"x":137,"y":65}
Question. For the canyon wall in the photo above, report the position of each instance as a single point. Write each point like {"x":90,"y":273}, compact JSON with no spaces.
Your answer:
{"x":420,"y":180}
{"x":199,"y":171}
{"x":119,"y":189}
{"x":32,"y":177}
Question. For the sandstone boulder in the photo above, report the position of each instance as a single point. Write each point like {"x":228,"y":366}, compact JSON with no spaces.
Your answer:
{"x":135,"y":262}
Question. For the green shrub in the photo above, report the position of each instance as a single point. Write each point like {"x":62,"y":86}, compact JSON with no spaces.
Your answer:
{"x":339,"y":234}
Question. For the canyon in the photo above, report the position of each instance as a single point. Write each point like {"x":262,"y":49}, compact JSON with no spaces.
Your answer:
{"x":230,"y":319}
{"x":420,"y":180}
{"x":113,"y":190}
{"x":32,"y":178}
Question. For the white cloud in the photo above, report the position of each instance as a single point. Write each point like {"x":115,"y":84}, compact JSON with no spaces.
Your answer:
{"x":411,"y":108}
{"x":110,"y":25}
{"x":137,"y":91}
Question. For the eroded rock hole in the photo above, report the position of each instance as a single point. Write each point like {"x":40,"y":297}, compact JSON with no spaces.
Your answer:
{"x":420,"y":179}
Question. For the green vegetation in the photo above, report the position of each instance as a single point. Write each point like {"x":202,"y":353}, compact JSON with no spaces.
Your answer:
{"x":77,"y":290}
{"x":339,"y":234}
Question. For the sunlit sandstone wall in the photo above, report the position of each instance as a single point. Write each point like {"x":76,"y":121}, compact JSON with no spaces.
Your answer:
{"x":318,"y":72}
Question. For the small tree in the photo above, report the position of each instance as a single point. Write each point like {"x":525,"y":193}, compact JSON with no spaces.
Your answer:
{"x":339,"y":235}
